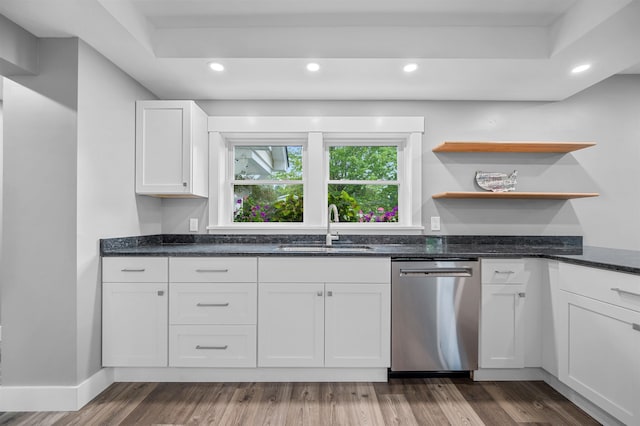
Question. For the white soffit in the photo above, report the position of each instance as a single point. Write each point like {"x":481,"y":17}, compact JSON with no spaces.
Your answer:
{"x":464,"y":49}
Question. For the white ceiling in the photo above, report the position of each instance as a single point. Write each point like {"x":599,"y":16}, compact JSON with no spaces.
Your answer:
{"x":465,"y":49}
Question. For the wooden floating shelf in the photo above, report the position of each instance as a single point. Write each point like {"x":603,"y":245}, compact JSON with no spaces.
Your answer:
{"x":517,"y":195}
{"x":511,"y":146}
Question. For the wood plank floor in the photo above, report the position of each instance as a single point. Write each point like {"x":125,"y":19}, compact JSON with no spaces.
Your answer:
{"x":432,"y":401}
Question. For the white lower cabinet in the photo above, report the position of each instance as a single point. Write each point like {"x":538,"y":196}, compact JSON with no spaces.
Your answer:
{"x":134,"y":311}
{"x":134,"y":324}
{"x":502,"y":329}
{"x":601,"y":359}
{"x":599,"y":353}
{"x":324,"y":324}
{"x":212,"y":312}
{"x":503,"y":332}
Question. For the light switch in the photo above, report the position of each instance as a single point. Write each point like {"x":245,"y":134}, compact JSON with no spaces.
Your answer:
{"x":435,"y":223}
{"x":193,"y":224}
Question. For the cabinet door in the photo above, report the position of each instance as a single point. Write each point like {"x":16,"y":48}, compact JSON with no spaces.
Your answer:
{"x":599,"y":355}
{"x":291,"y":325}
{"x":134,"y":324}
{"x":502,"y":326}
{"x":357,"y":325}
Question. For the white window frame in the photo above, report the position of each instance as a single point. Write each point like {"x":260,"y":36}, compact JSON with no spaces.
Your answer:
{"x":315,"y":134}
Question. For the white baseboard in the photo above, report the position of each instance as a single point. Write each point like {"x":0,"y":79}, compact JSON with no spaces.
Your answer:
{"x":54,"y":398}
{"x":590,"y":408}
{"x":512,"y":374}
{"x":507,"y":374}
{"x":250,"y":374}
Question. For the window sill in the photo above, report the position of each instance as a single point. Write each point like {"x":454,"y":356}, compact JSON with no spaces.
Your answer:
{"x":343,"y":228}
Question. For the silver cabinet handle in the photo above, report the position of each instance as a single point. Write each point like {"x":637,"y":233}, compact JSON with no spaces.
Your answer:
{"x":523,"y":294}
{"x":203,"y":305}
{"x":212,"y":270}
{"x":503,"y":272}
{"x":635,"y":326}
{"x":619,"y":290}
{"x":329,"y":293}
{"x":222,"y":348}
{"x":160,"y":293}
{"x":184,"y":184}
{"x":319,"y":293}
{"x":133,"y":270}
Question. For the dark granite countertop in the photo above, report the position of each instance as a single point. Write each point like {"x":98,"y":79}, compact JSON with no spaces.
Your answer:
{"x":563,"y":248}
{"x":604,"y":258}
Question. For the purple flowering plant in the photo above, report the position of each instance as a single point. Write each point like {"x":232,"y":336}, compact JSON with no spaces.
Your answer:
{"x":379,"y":215}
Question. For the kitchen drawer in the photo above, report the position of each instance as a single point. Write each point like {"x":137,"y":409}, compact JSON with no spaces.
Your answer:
{"x":325,"y":269}
{"x":213,"y":303}
{"x":213,"y":270}
{"x":503,"y":271}
{"x":212,"y":346}
{"x":135,"y":269}
{"x":616,"y":288}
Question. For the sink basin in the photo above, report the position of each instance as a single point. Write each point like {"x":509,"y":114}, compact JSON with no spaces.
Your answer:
{"x":321,"y":248}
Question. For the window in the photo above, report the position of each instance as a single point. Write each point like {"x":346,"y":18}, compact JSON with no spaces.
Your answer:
{"x":267,"y":183}
{"x":281,"y":173}
{"x":363,"y":182}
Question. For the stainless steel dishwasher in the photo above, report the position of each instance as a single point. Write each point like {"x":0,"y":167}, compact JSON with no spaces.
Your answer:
{"x":435,"y":307}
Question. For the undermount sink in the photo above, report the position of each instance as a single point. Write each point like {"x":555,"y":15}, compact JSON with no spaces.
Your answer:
{"x":321,"y":248}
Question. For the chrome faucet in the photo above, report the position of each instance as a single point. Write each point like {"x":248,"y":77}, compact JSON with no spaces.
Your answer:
{"x":332,"y":237}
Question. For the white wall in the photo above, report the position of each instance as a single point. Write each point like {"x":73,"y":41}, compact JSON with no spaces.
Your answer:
{"x":607,"y":113}
{"x":1,"y":161}
{"x":38,"y":269}
{"x":107,"y":205}
{"x":68,"y":181}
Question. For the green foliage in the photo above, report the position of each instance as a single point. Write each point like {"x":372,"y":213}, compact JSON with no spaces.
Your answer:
{"x":363,"y":163}
{"x":288,"y":210}
{"x":269,"y":203}
{"x":348,"y":206}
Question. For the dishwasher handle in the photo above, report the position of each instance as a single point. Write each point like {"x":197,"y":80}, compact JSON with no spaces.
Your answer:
{"x":436,"y":272}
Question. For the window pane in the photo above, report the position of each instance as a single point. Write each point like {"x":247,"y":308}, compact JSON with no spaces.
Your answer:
{"x":363,"y":163}
{"x":267,"y":162}
{"x":365,"y":203}
{"x":268,"y":203}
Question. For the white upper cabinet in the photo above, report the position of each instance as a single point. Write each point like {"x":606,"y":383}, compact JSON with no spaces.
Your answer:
{"x":171,"y":149}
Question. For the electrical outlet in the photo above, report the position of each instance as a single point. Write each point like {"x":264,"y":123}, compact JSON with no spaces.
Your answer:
{"x":435,"y":223}
{"x":193,"y":224}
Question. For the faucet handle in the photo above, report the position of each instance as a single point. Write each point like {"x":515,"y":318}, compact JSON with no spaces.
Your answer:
{"x":331,"y":237}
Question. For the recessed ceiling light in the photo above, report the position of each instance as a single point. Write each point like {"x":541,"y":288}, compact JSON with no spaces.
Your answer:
{"x":581,"y":68}
{"x":410,"y":67}
{"x":313,"y":67}
{"x":216,"y":66}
